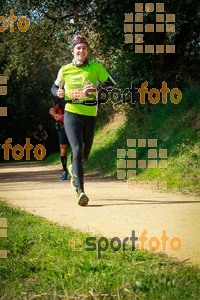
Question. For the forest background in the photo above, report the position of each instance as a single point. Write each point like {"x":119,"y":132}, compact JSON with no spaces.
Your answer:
{"x":32,"y":59}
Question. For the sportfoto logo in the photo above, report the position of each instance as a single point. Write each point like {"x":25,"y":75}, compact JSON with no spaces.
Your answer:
{"x":3,"y":234}
{"x":143,"y":242}
{"x":134,"y":27}
{"x":23,"y":23}
{"x":130,"y":95}
{"x":18,"y":151}
{"x":128,"y":164}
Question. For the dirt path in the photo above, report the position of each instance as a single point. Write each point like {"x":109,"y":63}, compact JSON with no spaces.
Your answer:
{"x":113,"y":210}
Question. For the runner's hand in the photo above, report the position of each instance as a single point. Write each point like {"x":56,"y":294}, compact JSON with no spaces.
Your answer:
{"x":89,"y":88}
{"x":58,"y":117}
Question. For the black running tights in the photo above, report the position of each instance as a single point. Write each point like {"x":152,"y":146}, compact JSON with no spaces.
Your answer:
{"x":80,"y":132}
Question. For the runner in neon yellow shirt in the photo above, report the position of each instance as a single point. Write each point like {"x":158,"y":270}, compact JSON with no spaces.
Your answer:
{"x":78,"y":82}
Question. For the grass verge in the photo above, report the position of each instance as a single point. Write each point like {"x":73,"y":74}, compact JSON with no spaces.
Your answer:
{"x":42,"y":264}
{"x":176,"y":128}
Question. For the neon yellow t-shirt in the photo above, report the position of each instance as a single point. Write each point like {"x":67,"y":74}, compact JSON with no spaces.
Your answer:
{"x":75,"y":78}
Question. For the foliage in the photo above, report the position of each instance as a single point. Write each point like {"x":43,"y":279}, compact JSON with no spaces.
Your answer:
{"x":31,"y":60}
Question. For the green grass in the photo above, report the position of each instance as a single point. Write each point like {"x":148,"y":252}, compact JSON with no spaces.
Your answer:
{"x":41,"y":264}
{"x":53,"y":159}
{"x":174,"y":127}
